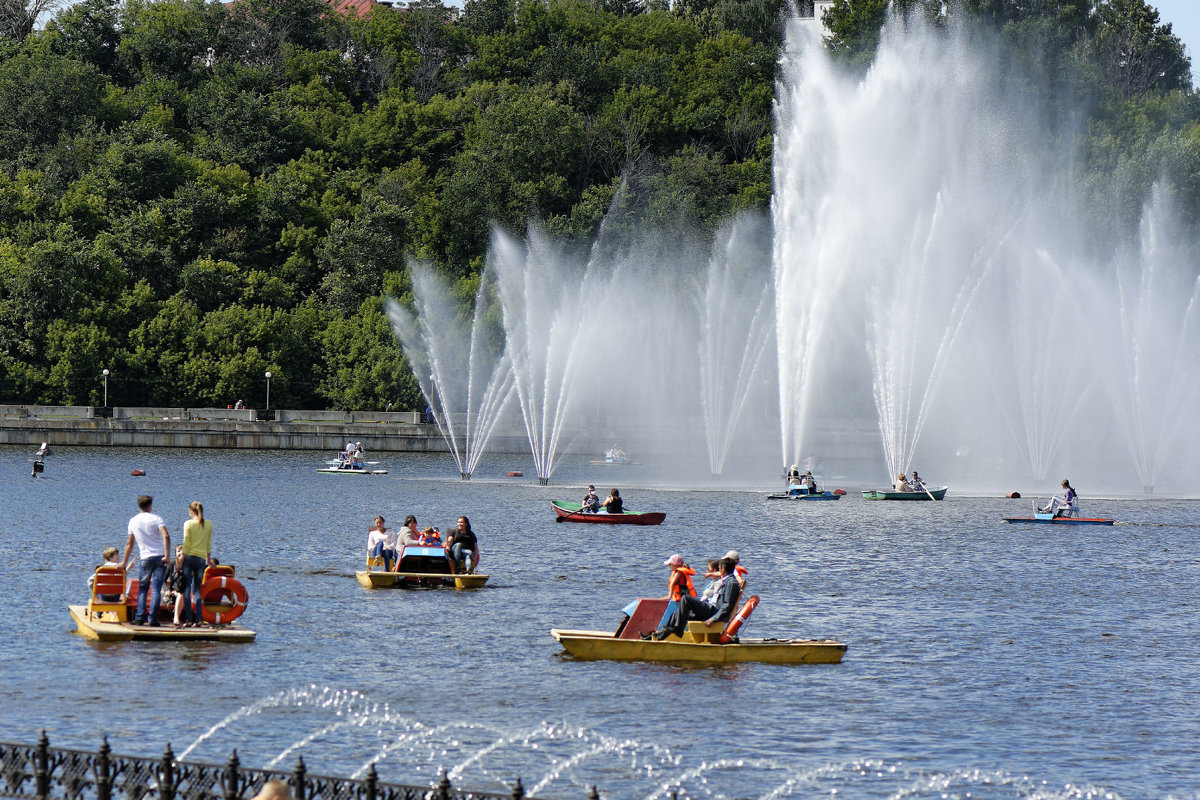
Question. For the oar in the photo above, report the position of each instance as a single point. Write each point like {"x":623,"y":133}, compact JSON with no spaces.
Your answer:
{"x":926,"y":490}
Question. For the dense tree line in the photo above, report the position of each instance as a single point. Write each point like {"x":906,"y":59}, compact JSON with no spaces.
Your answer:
{"x":192,"y":194}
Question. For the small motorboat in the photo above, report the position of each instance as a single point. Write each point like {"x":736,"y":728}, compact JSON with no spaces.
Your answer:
{"x":699,"y":644}
{"x":801,"y":493}
{"x":420,"y":565}
{"x":347,"y":470}
{"x":573,"y":512}
{"x":935,"y":493}
{"x":113,"y":603}
{"x":614,"y":455}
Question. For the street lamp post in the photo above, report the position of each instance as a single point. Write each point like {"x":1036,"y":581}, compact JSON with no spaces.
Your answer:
{"x":268,"y":374}
{"x":105,"y":374}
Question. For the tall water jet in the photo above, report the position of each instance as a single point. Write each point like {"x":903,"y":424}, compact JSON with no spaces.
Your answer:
{"x":466,"y":378}
{"x":543,"y":296}
{"x":897,"y":195}
{"x":736,"y":321}
{"x":1153,"y":339}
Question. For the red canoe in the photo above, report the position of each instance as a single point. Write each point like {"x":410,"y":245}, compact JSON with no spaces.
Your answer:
{"x":570,"y":512}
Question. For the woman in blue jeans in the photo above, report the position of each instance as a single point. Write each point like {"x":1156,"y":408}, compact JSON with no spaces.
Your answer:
{"x":464,"y":549}
{"x":197,"y":555}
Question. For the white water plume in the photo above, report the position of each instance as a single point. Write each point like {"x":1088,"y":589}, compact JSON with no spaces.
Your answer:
{"x":736,"y":318}
{"x":466,"y":379}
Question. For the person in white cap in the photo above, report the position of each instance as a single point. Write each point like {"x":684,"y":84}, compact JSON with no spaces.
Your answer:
{"x":739,"y":572}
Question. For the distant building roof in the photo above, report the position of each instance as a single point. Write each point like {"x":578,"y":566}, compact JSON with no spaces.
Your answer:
{"x":359,"y":8}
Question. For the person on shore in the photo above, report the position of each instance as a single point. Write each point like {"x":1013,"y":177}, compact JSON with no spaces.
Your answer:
{"x":591,"y":501}
{"x":109,"y":555}
{"x":274,"y":790}
{"x":153,"y":542}
{"x":718,"y":610}
{"x":613,"y":503}
{"x":197,"y":555}
{"x":409,"y":535}
{"x":463,"y":547}
{"x":381,"y":543}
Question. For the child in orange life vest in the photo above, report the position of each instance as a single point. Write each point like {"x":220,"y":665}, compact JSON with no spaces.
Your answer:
{"x":681,"y":578}
{"x":431,"y":536}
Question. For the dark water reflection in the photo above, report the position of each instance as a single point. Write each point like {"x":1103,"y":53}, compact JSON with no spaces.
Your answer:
{"x":985,"y":660}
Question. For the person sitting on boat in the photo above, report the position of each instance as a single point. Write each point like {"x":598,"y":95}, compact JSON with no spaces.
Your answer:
{"x":793,"y":475}
{"x":43,"y":451}
{"x":613,"y":504}
{"x":739,"y":572}
{"x":719,"y":610}
{"x":916,"y":483}
{"x":902,"y":484}
{"x":1062,"y":505}
{"x":357,"y":457}
{"x":409,"y":535}
{"x":591,"y":501}
{"x":810,"y":483}
{"x":713,"y":573}
{"x":679,"y":584}
{"x":381,"y":543}
{"x":463,"y":547}
{"x":431,"y":536}
{"x":110,"y":560}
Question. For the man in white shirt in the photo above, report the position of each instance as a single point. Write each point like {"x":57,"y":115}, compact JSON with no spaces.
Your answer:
{"x":153,"y":541}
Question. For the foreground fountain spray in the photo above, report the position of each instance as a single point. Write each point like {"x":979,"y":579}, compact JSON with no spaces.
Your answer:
{"x":466,"y":379}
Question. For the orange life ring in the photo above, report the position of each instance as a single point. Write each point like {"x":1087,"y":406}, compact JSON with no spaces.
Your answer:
{"x":222,"y":591}
{"x":734,"y":624}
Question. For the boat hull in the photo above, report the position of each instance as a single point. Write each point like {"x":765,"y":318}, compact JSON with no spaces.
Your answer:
{"x":887,"y":494}
{"x":565,"y":512}
{"x":1061,"y":520}
{"x":374,"y":579}
{"x":126,"y":631}
{"x":596,"y":645}
{"x":817,"y":496}
{"x":336,"y":471}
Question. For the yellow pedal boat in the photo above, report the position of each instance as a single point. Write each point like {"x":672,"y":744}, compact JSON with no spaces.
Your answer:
{"x":108,"y":612}
{"x":419,"y":565}
{"x":699,"y":644}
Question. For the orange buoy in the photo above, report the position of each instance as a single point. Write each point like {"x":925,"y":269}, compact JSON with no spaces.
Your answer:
{"x":516,"y":473}
{"x":137,"y":473}
{"x":1013,"y":495}
{"x":223,"y":599}
{"x":736,"y":623}
{"x":839,"y":491}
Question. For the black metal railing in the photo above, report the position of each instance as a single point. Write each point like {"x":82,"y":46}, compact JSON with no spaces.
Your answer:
{"x":42,"y":772}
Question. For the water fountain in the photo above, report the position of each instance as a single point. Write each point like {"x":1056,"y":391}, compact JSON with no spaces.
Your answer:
{"x":736,"y":321}
{"x":466,"y":378}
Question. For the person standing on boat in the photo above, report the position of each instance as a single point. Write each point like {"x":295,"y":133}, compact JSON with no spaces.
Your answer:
{"x":154,"y":542}
{"x":463,"y":547}
{"x":197,"y":555}
{"x":613,"y":504}
{"x":591,"y":501}
{"x":717,"y":610}
{"x":381,"y":543}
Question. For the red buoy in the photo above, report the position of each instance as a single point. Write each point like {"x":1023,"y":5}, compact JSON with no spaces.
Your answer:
{"x":839,"y":491}
{"x":138,"y":472}
{"x":516,"y":473}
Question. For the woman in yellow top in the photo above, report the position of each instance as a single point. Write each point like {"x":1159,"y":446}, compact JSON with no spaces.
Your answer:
{"x":197,"y":547}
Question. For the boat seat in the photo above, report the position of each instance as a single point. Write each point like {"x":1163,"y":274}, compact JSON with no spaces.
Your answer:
{"x":375,"y":561}
{"x":699,"y":632}
{"x":108,"y":583}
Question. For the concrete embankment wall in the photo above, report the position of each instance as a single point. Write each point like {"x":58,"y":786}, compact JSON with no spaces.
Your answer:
{"x":229,"y":428}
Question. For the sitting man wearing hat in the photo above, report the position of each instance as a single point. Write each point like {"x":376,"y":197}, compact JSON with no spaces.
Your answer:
{"x":722,"y":607}
{"x":739,"y":572}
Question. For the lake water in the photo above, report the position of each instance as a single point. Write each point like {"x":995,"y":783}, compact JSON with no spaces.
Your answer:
{"x":985,"y":660}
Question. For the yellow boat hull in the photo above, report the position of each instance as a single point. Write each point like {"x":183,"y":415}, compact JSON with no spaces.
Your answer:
{"x":108,"y":631}
{"x":376,"y":579}
{"x":603,"y":645}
